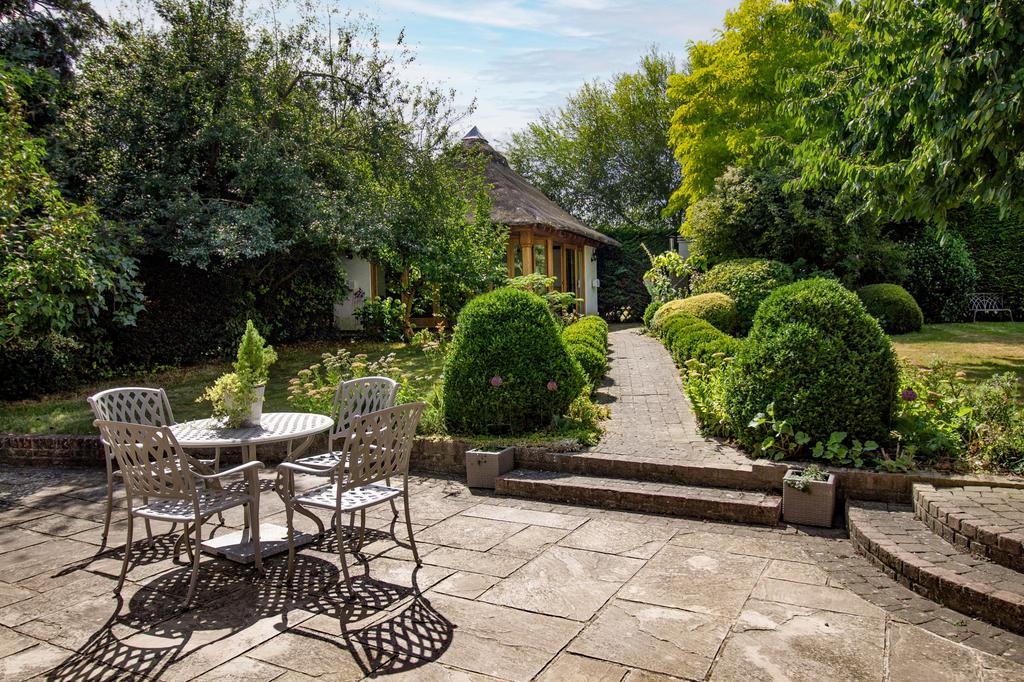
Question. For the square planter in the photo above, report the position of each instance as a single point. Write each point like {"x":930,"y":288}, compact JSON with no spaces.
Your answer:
{"x":483,"y":465}
{"x":812,"y":506}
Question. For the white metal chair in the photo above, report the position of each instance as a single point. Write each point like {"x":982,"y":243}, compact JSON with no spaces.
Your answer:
{"x":135,"y":405}
{"x":158,"y":472}
{"x":376,"y":450}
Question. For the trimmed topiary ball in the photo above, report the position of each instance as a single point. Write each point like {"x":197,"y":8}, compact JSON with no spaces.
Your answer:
{"x":649,"y":312}
{"x":818,"y":355}
{"x":507,"y":369}
{"x":747,"y":281}
{"x":716,"y":309}
{"x":893,"y":307}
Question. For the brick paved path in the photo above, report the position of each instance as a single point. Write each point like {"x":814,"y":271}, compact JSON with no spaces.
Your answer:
{"x":650,"y":416}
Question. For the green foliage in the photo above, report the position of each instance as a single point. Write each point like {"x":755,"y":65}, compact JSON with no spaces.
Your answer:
{"x":254,"y":357}
{"x":650,"y":311}
{"x":747,"y":281}
{"x":727,"y":101}
{"x":806,"y":476}
{"x":824,"y":363}
{"x":231,"y":399}
{"x":688,"y":338}
{"x":668,"y":277}
{"x":382,"y":318}
{"x":621,"y":270}
{"x":587,"y":341}
{"x":33,"y":366}
{"x":918,"y":107}
{"x":942,"y":274}
{"x":560,"y":303}
{"x":780,"y":439}
{"x":603,"y":156}
{"x":997,"y":248}
{"x":508,"y":369}
{"x":893,"y":307}
{"x":705,"y":387}
{"x":716,"y":309}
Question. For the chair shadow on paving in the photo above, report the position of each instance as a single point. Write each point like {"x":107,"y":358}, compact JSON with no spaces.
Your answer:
{"x":384,"y":627}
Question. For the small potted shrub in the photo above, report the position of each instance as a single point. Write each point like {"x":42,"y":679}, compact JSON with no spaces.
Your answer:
{"x":485,"y":464}
{"x":809,"y":496}
{"x":237,"y":397}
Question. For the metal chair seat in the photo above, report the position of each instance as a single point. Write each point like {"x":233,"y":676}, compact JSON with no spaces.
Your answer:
{"x":325,"y":460}
{"x":326,"y":497}
{"x":210,"y":502}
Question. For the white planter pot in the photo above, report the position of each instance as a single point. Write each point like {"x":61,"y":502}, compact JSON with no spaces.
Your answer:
{"x":255,"y":410}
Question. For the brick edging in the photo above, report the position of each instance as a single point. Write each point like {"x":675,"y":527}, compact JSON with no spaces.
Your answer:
{"x":943,"y":586}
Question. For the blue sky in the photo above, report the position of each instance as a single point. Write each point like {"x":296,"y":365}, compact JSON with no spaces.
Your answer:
{"x":518,"y":58}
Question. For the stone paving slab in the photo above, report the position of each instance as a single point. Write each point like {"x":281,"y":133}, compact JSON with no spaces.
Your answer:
{"x":985,"y":521}
{"x":563,"y":593}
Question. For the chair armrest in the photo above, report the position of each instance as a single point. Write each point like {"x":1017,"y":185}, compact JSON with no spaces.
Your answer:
{"x":312,"y":471}
{"x":241,"y":468}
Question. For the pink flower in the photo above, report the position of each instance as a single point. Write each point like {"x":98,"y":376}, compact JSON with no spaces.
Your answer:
{"x":552,"y":385}
{"x":496,"y":381}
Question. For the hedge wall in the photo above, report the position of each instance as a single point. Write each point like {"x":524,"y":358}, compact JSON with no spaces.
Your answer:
{"x":997,"y":247}
{"x":622,"y":296}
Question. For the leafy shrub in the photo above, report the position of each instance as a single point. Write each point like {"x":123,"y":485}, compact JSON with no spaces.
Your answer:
{"x":36,"y":366}
{"x":560,"y":303}
{"x":893,"y":307}
{"x":716,"y":309}
{"x":508,"y":369}
{"x":382,"y":318}
{"x":942,"y":274}
{"x":587,"y":341}
{"x":997,"y":248}
{"x":650,"y":311}
{"x":747,"y":281}
{"x":688,"y":338}
{"x":668,"y":277}
{"x":705,"y":387}
{"x":816,"y":354}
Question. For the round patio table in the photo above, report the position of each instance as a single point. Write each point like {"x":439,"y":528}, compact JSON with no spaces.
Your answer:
{"x":275,"y":427}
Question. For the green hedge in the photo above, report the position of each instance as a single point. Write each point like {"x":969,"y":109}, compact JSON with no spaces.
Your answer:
{"x":508,"y":368}
{"x":687,"y":337}
{"x":623,"y":296}
{"x":997,"y":248}
{"x":716,"y":309}
{"x":747,"y":281}
{"x":942,"y":274}
{"x":587,"y":341}
{"x":818,"y":355}
{"x":893,"y":307}
{"x":650,"y":312}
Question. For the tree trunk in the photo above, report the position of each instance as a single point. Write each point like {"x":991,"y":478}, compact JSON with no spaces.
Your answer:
{"x":406,"y":298}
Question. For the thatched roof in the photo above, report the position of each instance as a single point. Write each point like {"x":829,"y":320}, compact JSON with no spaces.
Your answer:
{"x":517,"y":203}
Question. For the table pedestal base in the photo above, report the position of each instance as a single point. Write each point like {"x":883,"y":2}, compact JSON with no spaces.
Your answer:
{"x":238,"y":546}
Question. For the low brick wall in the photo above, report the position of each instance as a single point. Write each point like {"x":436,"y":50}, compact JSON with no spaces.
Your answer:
{"x":46,"y":450}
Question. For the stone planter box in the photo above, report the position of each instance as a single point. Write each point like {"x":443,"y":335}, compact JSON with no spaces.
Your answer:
{"x":812,"y":506}
{"x":483,"y":465}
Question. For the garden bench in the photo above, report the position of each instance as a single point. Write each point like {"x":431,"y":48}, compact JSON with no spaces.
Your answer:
{"x":987,"y":303}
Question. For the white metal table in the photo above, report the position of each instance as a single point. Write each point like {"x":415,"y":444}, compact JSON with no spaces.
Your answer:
{"x":275,"y":427}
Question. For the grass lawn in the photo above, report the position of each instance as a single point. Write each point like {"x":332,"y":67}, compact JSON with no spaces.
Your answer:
{"x":981,"y":349}
{"x":69,"y":413}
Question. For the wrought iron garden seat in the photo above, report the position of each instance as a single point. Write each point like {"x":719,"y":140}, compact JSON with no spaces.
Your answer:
{"x":377,"y":449}
{"x":171,"y":487}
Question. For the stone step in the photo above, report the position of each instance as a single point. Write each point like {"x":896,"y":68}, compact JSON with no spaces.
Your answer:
{"x":686,"y":470}
{"x":892,"y":537}
{"x":643,"y":496}
{"x":987,"y":522}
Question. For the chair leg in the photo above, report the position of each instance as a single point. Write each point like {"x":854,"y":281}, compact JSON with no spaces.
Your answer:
{"x":362,"y":530}
{"x":216,"y":470}
{"x":110,"y":504}
{"x":394,"y":508}
{"x":127,"y":554}
{"x":184,"y":539}
{"x":254,"y":526}
{"x":195,"y":562}
{"x":341,"y":555}
{"x":149,"y":529}
{"x":289,"y":516}
{"x":408,"y":526}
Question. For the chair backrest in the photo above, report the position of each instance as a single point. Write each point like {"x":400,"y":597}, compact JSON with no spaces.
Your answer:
{"x":984,"y":302}
{"x":357,"y":397}
{"x":134,"y":405}
{"x":379,"y":444}
{"x":150,"y":459}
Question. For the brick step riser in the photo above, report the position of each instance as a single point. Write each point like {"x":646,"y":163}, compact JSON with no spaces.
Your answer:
{"x":639,"y":501}
{"x":966,"y":535}
{"x":643,"y":471}
{"x":979,"y":601}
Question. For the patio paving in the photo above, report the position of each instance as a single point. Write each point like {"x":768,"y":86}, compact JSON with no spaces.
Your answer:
{"x":508,"y":590}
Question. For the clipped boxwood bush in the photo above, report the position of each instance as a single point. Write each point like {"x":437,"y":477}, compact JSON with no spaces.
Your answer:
{"x":997,"y":249}
{"x":687,"y":337}
{"x":818,"y":355}
{"x":893,"y":307}
{"x":748,"y":281}
{"x":587,"y":341}
{"x":942,"y":274}
{"x":649,"y":312}
{"x":716,"y":309}
{"x":507,"y":368}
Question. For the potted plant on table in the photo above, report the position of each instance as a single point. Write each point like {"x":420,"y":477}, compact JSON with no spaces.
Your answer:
{"x":237,"y":397}
{"x":809,"y":496}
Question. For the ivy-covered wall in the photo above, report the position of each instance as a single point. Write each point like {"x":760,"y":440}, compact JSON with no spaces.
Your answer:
{"x":997,"y":247}
{"x":622,"y":296}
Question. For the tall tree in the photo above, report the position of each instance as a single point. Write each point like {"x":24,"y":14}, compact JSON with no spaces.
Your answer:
{"x":603,"y":156}
{"x":919,"y":107}
{"x":727,"y":102}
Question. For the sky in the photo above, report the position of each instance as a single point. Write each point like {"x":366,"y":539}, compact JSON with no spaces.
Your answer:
{"x":519,"y":58}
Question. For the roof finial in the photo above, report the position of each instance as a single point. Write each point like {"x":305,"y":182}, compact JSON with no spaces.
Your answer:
{"x":475,"y":134}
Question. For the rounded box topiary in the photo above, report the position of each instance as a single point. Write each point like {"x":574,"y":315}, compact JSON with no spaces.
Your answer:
{"x":717,"y":309}
{"x":747,"y":281}
{"x":816,"y":353}
{"x":587,"y":341}
{"x":507,"y":368}
{"x":649,"y":312}
{"x":687,"y":338}
{"x":893,"y":307}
